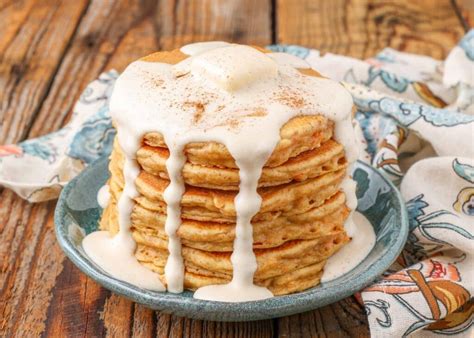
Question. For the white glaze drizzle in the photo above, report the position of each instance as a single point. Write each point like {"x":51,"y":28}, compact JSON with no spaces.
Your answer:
{"x":103,"y":196}
{"x":348,"y":187}
{"x":289,"y":60}
{"x":152,"y":96}
{"x":201,"y":47}
{"x":357,"y":226}
{"x":116,"y":255}
{"x":174,"y":269}
{"x":247,"y":204}
{"x":350,"y":255}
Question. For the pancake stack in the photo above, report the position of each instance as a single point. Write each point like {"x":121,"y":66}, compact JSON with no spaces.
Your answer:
{"x":299,"y":226}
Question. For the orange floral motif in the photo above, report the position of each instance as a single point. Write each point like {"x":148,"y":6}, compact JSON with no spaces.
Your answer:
{"x":437,"y":283}
{"x":374,"y":62}
{"x":401,"y":282}
{"x":401,"y":136}
{"x":457,"y":318}
{"x":10,"y":149}
{"x":428,"y":96}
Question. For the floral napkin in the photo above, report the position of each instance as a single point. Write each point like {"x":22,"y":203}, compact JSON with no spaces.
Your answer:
{"x":417,"y":118}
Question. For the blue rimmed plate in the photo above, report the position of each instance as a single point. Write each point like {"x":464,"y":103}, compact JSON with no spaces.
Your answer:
{"x":77,"y":214}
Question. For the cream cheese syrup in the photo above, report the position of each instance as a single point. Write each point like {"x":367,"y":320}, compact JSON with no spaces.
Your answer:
{"x":232,"y":80}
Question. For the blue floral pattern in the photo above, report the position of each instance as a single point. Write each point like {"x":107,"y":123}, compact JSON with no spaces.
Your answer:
{"x":467,"y":44}
{"x":396,"y":83}
{"x":44,"y":147}
{"x":93,"y":140}
{"x":464,"y":203}
{"x":298,"y":51}
{"x":464,"y":170}
{"x":408,"y":113}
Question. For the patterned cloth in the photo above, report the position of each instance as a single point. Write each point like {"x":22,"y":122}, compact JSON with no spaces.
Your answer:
{"x":417,"y":118}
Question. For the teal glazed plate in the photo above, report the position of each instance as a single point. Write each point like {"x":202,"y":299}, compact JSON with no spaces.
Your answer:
{"x":77,"y":214}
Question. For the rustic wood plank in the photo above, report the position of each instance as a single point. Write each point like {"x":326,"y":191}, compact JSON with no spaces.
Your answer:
{"x":18,"y":242}
{"x":180,"y":22}
{"x":76,"y":300}
{"x":67,"y":314}
{"x":342,"y":319}
{"x":363,"y":27}
{"x":172,"y":326}
{"x":144,"y":324}
{"x":32,"y":45}
{"x":42,"y":276}
{"x":138,"y":42}
{"x":27,"y":289}
{"x":118,"y":316}
{"x":111,"y":35}
{"x":13,"y":229}
{"x":465,"y":9}
{"x":34,"y":275}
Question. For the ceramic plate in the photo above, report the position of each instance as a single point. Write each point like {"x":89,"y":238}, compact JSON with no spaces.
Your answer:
{"x":77,"y":214}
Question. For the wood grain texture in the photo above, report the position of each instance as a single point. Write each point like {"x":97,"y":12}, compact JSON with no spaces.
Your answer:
{"x":343,"y":319}
{"x":172,"y":326}
{"x":362,"y":28}
{"x":41,"y":291}
{"x":179,"y":22}
{"x":144,"y":323}
{"x":51,"y":49}
{"x":33,"y":43}
{"x":110,"y":35}
{"x":76,"y":301}
{"x":465,"y":10}
{"x":24,"y":228}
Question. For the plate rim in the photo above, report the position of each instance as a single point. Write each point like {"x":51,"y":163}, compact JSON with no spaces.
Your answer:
{"x":211,"y":310}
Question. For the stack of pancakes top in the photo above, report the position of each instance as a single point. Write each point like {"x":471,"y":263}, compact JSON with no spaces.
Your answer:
{"x":299,"y":226}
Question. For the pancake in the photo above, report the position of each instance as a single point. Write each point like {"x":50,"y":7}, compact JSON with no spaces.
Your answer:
{"x":295,"y":281}
{"x":298,"y":135}
{"x":209,"y":236}
{"x":276,"y":263}
{"x":328,"y":157}
{"x":218,"y":205}
{"x":148,"y":227}
{"x":290,"y":267}
{"x":299,"y":225}
{"x":271,"y":262}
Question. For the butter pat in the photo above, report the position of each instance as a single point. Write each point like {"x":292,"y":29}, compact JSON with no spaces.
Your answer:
{"x":201,"y":47}
{"x":234,"y":67}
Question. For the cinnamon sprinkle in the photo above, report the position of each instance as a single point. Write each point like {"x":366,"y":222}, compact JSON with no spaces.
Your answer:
{"x":199,"y":109}
{"x":291,"y":99}
{"x":231,"y":124}
{"x":260,"y":112}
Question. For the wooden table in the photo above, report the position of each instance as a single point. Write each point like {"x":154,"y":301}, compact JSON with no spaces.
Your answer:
{"x":50,"y":50}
